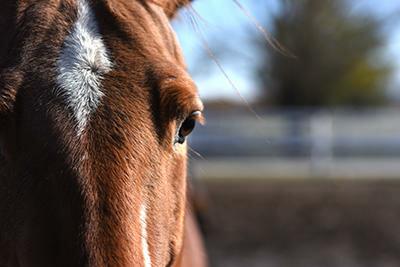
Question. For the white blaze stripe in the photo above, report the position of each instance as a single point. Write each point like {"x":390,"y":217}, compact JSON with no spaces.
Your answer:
{"x":82,"y":63}
{"x":145,"y":245}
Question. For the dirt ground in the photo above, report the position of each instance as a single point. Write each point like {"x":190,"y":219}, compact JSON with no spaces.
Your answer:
{"x":308,"y":223}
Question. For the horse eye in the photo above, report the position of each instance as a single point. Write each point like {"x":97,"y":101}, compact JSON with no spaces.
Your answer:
{"x":187,"y":127}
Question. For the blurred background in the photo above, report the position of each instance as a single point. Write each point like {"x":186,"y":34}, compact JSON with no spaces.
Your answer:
{"x":298,"y":163}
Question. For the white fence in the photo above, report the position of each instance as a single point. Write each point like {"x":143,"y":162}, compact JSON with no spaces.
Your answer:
{"x":299,"y":144}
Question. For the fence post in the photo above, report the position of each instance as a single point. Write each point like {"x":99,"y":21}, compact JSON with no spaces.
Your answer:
{"x":321,"y":139}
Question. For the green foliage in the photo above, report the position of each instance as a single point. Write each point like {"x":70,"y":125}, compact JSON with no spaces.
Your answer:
{"x":337,"y":57}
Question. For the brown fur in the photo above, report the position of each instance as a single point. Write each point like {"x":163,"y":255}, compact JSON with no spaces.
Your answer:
{"x":69,"y":201}
{"x":171,"y":6}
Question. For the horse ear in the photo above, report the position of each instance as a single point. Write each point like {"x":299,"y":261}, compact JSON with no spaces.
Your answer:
{"x":171,"y":7}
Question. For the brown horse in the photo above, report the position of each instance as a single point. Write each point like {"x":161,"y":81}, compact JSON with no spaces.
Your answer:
{"x":95,"y":108}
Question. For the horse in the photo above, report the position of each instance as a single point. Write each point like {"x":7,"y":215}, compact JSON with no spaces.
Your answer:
{"x":96,"y":106}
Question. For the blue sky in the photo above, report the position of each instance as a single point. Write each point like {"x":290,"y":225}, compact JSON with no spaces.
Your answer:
{"x":223,"y":21}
